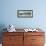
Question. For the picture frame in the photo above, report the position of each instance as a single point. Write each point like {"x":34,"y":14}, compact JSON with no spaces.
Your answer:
{"x":24,"y":13}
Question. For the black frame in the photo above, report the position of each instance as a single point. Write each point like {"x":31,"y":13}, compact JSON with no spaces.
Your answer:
{"x":27,"y":15}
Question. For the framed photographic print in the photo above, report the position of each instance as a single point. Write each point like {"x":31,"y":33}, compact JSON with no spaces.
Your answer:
{"x":25,"y":13}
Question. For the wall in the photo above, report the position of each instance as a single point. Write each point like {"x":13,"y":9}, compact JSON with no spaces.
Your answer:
{"x":9,"y":13}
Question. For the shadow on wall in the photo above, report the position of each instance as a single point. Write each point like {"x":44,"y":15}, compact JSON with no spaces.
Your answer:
{"x":2,"y":26}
